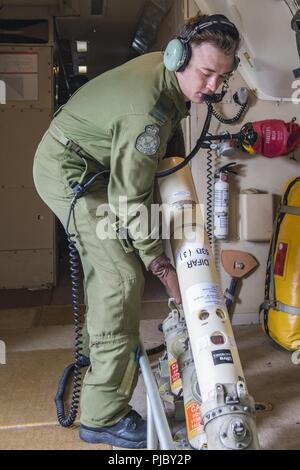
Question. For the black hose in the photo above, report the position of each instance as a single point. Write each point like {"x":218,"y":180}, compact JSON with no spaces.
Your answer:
{"x":195,"y":150}
{"x":209,"y":100}
{"x":72,"y":369}
{"x":232,"y":120}
{"x":80,"y":360}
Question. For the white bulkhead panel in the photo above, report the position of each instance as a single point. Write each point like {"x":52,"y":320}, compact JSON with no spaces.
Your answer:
{"x":268,"y":53}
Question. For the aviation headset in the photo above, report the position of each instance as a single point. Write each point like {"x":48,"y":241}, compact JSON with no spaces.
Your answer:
{"x":178,"y":52}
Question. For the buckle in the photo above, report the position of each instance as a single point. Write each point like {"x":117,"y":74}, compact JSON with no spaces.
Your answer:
{"x":77,"y":189}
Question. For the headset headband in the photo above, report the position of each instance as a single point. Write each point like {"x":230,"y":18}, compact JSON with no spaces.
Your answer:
{"x":178,"y":51}
{"x":222,"y":24}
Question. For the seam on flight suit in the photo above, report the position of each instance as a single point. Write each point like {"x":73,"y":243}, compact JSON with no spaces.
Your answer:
{"x":106,"y":339}
{"x":146,"y":114}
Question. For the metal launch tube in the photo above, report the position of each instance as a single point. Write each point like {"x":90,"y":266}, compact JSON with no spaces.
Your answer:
{"x":227,"y":409}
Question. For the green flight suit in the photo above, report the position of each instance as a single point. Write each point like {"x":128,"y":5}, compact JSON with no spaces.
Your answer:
{"x":121,"y":120}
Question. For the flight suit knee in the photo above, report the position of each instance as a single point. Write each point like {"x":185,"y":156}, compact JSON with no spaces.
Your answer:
{"x":110,"y":379}
{"x":113,"y":327}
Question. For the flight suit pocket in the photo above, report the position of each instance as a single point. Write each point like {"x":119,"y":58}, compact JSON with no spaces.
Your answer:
{"x":130,"y":375}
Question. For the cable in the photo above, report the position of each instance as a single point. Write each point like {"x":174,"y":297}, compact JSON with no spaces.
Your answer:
{"x":209,"y":100}
{"x":195,"y":150}
{"x":80,"y":360}
{"x":233,"y":120}
{"x":73,"y":368}
{"x":209,"y":198}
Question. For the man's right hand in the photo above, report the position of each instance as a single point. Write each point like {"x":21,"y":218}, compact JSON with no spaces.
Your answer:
{"x":163,"y":269}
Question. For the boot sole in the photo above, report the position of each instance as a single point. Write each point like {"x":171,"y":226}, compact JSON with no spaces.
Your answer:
{"x":93,"y":437}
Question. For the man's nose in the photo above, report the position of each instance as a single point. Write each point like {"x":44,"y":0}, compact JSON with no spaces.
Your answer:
{"x":212,"y":84}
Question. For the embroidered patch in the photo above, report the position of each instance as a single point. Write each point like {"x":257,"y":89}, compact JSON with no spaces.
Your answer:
{"x":148,"y":142}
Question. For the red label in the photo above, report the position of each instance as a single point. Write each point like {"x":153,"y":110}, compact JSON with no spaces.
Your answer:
{"x":280,"y":258}
{"x":175,"y":375}
{"x":193,"y":418}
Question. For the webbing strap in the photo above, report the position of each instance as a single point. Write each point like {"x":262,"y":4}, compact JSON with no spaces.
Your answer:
{"x":287,"y":308}
{"x":280,"y":307}
{"x":58,"y":135}
{"x":228,"y":296}
{"x":271,"y":255}
{"x":290,"y":210}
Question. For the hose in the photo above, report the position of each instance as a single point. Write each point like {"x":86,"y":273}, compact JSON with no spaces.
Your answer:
{"x":209,"y":198}
{"x":232,"y":120}
{"x":195,"y":150}
{"x":80,"y":360}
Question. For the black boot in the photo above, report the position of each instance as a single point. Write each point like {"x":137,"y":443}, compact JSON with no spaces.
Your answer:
{"x":130,"y":431}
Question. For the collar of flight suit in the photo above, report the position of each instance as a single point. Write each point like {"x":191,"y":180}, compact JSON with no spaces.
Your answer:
{"x":175,"y":93}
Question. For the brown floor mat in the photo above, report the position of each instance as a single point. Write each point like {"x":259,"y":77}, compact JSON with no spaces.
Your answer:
{"x":45,"y":438}
{"x":28,"y":384}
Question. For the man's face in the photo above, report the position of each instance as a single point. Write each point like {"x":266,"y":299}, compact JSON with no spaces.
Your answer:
{"x":205,"y":72}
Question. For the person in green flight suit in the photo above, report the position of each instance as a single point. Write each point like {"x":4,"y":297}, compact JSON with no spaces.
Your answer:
{"x":122,"y":121}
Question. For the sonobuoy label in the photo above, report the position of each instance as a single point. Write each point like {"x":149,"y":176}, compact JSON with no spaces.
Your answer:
{"x":204,"y":294}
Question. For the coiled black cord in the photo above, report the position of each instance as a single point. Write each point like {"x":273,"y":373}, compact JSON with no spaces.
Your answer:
{"x":80,"y":360}
{"x":209,"y":100}
{"x":209,"y":198}
{"x":74,"y":368}
{"x":232,"y":120}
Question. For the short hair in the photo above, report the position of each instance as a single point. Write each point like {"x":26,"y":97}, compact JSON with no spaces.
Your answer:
{"x":226,"y":39}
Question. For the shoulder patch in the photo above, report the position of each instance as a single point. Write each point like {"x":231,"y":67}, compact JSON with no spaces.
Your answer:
{"x":149,"y":141}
